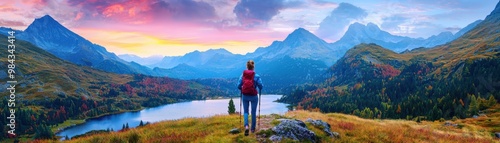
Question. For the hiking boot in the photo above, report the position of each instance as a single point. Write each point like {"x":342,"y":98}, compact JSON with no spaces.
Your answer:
{"x":246,"y":132}
{"x":252,"y":130}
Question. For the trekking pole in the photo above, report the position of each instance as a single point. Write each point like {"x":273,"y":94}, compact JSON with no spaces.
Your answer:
{"x":240,"y":108}
{"x":260,"y":96}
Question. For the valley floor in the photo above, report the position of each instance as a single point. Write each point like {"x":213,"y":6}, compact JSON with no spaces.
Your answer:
{"x":351,"y":129}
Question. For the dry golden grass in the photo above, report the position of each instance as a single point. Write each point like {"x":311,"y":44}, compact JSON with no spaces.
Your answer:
{"x":212,"y":129}
{"x":355,"y":129}
{"x":490,"y":122}
{"x":351,"y":129}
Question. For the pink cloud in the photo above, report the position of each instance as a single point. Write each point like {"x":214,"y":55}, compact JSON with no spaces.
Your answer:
{"x":12,"y":23}
{"x":79,"y":15}
{"x":146,"y":11}
{"x":8,"y":9}
{"x":112,"y":10}
{"x":37,"y":4}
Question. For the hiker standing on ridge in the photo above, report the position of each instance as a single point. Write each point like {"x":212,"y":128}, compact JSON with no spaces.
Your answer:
{"x":248,"y":83}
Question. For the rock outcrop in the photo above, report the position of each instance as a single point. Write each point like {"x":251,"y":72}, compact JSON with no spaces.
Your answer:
{"x":297,"y":130}
{"x":325,"y":126}
{"x":292,"y":129}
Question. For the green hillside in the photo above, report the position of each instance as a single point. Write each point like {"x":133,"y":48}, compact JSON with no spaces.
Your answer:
{"x":56,"y":93}
{"x":459,"y":79}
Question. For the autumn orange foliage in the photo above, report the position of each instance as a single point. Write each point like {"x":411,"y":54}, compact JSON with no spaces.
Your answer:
{"x":386,"y":70}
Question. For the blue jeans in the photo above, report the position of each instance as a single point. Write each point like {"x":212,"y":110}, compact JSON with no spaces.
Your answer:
{"x":253,"y":100}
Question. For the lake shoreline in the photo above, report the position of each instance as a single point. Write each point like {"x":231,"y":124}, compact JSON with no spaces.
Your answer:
{"x":62,"y":128}
{"x":113,"y":113}
{"x":191,"y":109}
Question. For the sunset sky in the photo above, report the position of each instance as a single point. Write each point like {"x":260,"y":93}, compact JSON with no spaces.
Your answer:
{"x":176,"y":27}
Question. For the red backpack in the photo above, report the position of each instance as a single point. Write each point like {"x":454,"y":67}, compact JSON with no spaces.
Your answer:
{"x":248,"y":87}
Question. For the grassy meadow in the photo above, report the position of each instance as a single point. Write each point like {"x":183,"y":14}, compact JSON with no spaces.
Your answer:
{"x":351,"y":129}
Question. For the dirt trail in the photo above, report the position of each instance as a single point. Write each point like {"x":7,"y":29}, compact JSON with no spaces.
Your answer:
{"x":265,"y":123}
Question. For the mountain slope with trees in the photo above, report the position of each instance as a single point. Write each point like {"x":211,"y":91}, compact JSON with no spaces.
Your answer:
{"x":454,"y":80}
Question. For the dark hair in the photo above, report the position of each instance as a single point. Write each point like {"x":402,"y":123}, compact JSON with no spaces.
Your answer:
{"x":250,"y":65}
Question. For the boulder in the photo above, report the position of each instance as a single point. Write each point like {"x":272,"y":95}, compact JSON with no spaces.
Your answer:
{"x":234,"y":131}
{"x":448,"y":123}
{"x":292,"y":129}
{"x":325,"y":126}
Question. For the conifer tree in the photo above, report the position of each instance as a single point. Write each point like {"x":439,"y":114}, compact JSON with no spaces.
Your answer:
{"x":231,"y":108}
{"x":44,"y":132}
{"x":491,"y":101}
{"x":473,"y":105}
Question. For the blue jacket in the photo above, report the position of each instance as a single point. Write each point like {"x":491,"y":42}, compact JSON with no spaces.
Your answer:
{"x":257,"y":79}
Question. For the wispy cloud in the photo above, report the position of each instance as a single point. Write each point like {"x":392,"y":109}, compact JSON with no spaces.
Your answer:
{"x":251,"y":13}
{"x":12,"y":23}
{"x":333,"y":27}
{"x":145,"y":11}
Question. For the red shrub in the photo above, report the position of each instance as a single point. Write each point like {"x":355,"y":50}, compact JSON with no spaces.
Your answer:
{"x":346,"y":125}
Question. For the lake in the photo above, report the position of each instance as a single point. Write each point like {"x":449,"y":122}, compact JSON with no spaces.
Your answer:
{"x":197,"y":108}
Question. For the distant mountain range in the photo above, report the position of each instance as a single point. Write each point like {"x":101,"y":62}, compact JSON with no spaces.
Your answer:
{"x":299,"y":44}
{"x":195,"y":58}
{"x":303,"y":44}
{"x":46,"y":76}
{"x":140,"y":60}
{"x":50,"y":35}
{"x":371,"y":33}
{"x":312,"y":54}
